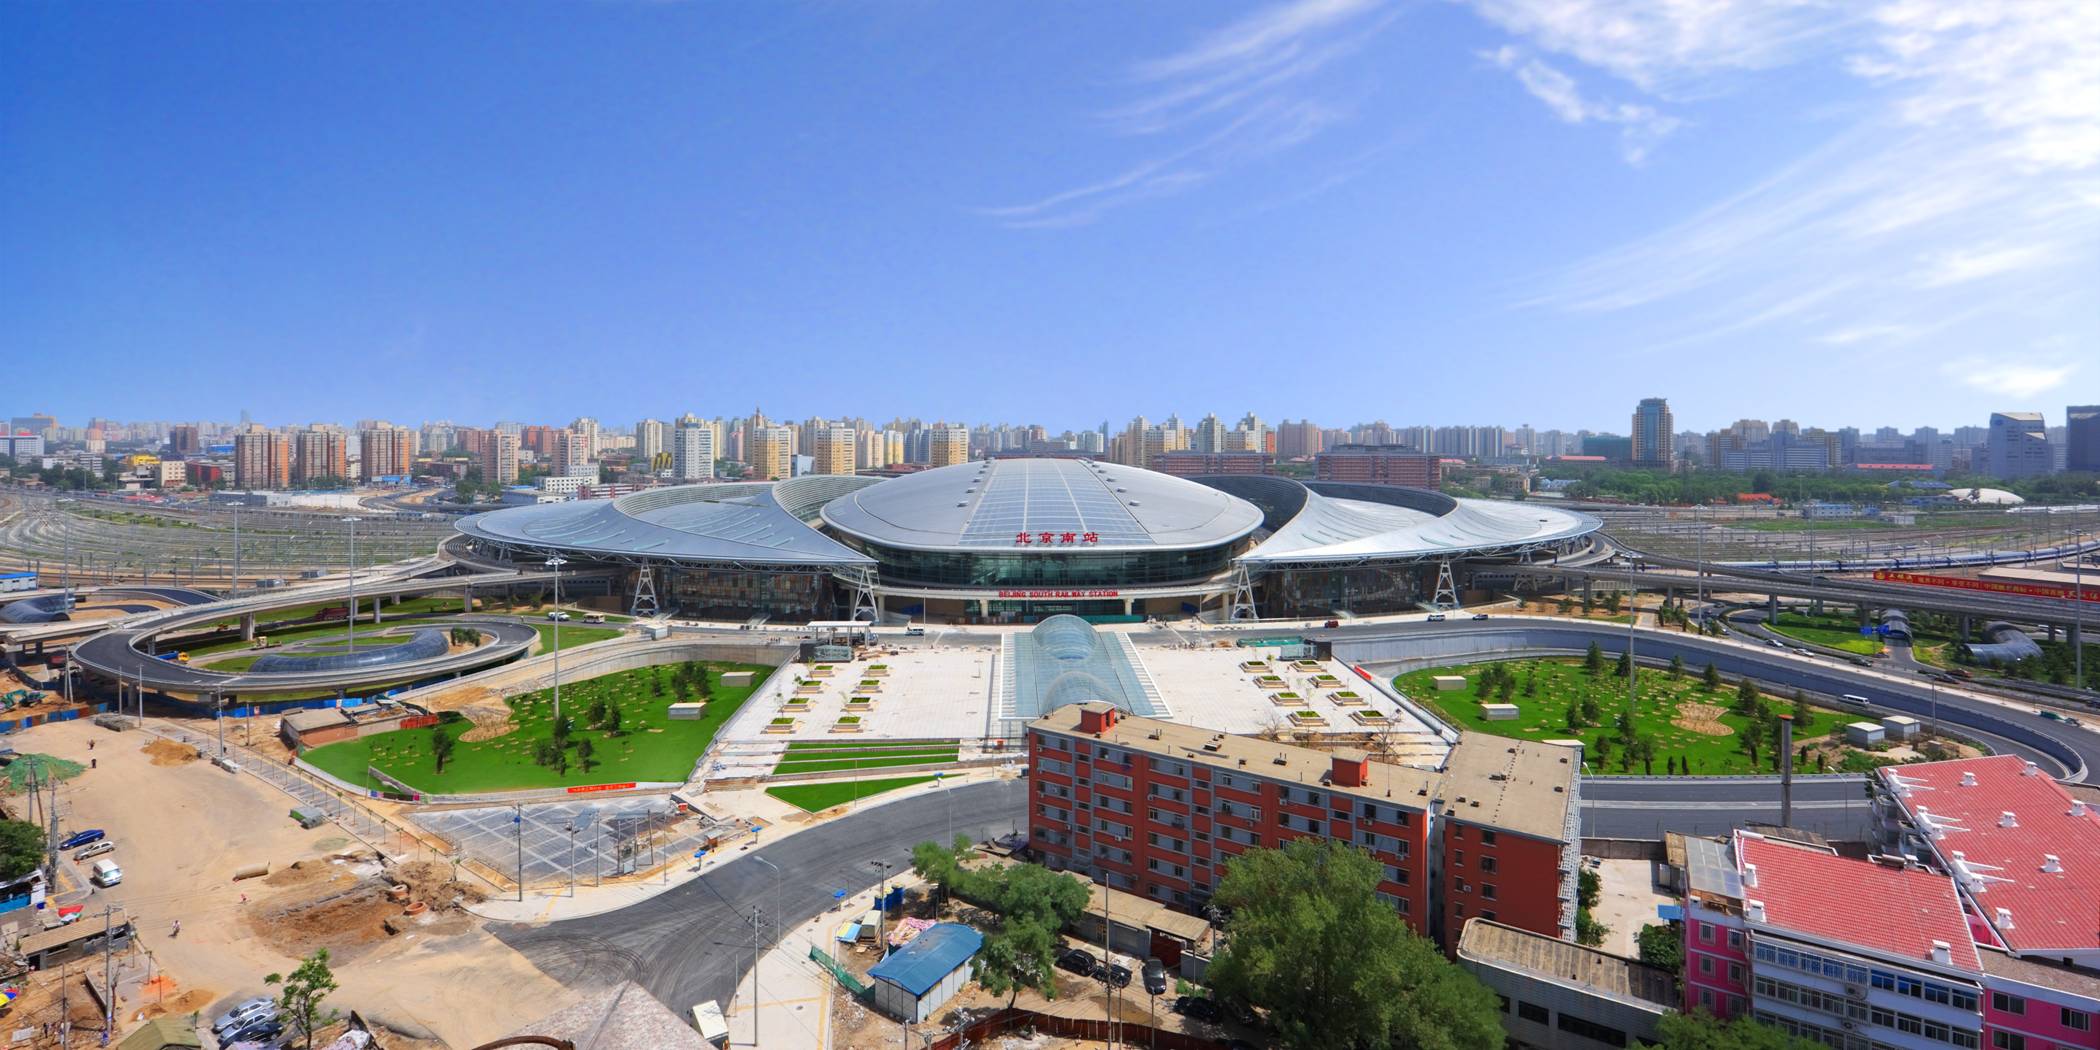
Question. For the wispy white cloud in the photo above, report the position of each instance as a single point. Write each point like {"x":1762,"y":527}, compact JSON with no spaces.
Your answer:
{"x":1965,"y":187}
{"x":2008,"y":379}
{"x":1234,"y":95}
{"x":1641,"y":126}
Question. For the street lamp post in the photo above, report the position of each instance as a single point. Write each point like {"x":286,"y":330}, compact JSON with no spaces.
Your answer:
{"x":556,"y":563}
{"x":572,"y":858}
{"x":882,"y":914}
{"x":350,"y":634}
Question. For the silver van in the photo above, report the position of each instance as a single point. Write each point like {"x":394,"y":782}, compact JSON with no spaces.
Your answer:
{"x":105,"y":873}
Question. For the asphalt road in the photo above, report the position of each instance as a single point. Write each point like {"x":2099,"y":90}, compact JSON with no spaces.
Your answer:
{"x":693,"y":942}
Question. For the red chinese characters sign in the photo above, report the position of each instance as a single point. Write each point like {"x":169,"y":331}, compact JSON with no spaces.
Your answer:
{"x":2027,"y":590}
{"x":1056,"y":539}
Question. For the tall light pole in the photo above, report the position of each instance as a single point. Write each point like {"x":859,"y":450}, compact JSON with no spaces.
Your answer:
{"x":236,"y":551}
{"x":556,"y":563}
{"x":882,"y":941}
{"x":350,"y":634}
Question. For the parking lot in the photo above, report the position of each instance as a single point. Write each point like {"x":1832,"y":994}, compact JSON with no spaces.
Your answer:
{"x":595,"y":840}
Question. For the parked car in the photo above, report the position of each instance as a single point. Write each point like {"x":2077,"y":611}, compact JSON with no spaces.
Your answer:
{"x":105,"y":873}
{"x":257,"y":1031}
{"x":81,"y":838}
{"x":245,"y":1013}
{"x":1480,"y":616}
{"x":1196,"y":1006}
{"x":1155,"y":977}
{"x":1079,"y":962}
{"x":96,"y":850}
{"x":557,"y":614}
{"x":1436,"y":617}
{"x":1113,"y":975}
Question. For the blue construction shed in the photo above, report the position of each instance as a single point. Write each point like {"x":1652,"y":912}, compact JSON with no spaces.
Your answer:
{"x":919,"y":978}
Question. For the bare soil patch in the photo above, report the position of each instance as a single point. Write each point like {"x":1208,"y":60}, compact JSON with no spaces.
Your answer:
{"x":1704,"y":719}
{"x":166,"y":752}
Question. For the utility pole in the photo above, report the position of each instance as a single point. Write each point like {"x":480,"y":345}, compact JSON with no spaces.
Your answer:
{"x":350,"y":633}
{"x":1108,"y":956}
{"x":758,"y":921}
{"x":219,"y":716}
{"x":572,"y":858}
{"x":109,"y":988}
{"x":882,"y":915}
{"x":556,"y":563}
{"x":517,"y":820}
{"x":236,"y":550}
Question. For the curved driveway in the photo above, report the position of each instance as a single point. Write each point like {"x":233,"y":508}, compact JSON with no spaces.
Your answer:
{"x":693,"y":942}
{"x":115,"y":653}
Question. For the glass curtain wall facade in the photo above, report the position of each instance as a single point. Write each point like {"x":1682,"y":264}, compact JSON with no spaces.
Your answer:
{"x":1038,"y":569}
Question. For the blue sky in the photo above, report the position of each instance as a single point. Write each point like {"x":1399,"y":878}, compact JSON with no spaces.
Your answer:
{"x":1864,"y":212}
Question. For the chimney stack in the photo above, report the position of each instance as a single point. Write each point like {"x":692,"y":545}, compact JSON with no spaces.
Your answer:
{"x":1942,"y":953}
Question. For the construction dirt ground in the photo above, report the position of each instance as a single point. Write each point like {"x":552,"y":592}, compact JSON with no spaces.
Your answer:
{"x":403,"y":951}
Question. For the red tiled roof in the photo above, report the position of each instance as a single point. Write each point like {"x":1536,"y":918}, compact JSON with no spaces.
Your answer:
{"x":1844,"y":902}
{"x":2050,"y":910}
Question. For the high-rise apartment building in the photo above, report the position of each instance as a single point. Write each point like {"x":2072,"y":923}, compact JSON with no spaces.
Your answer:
{"x":572,"y":456}
{"x":2018,"y":446}
{"x":262,"y":460}
{"x":184,"y":441}
{"x":770,"y":452}
{"x":499,"y":459}
{"x":385,"y":452}
{"x":948,"y":445}
{"x":692,"y":449}
{"x":2082,"y":438}
{"x":319,"y":454}
{"x":652,"y":438}
{"x":1654,"y":441}
{"x":834,"y":449}
{"x":1300,"y":439}
{"x":587,"y":428}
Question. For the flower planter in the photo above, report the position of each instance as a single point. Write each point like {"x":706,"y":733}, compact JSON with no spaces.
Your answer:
{"x":878,"y":670}
{"x":861,"y":703}
{"x":1269,"y":681}
{"x":1255,"y":666}
{"x":1371,"y":719}
{"x":782,"y":725}
{"x":1305,"y":665}
{"x":1346,"y":698}
{"x":848,"y":724}
{"x":820,"y":671}
{"x":868,"y":685}
{"x":1286,"y":699}
{"x":1307,"y":719}
{"x":809,"y":689}
{"x":1326,"y":681}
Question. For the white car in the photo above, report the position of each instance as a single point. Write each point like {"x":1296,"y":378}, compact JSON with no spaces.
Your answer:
{"x":96,"y":850}
{"x":557,"y":614}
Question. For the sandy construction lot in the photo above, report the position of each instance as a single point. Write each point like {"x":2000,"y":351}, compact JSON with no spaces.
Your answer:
{"x":183,"y":827}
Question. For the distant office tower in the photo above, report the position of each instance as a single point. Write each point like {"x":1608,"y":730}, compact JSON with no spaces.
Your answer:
{"x":692,"y":449}
{"x":833,"y":449}
{"x":770,"y":452}
{"x":37,"y":424}
{"x":2082,"y":438}
{"x":1295,"y":440}
{"x":1379,"y":465}
{"x":385,"y":452}
{"x":318,"y":454}
{"x":499,"y":459}
{"x":183,"y":441}
{"x":1653,"y":434}
{"x":2018,"y":446}
{"x":262,"y":460}
{"x":949,"y":445}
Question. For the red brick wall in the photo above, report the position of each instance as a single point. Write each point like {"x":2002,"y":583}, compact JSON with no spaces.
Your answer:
{"x":1521,"y":873}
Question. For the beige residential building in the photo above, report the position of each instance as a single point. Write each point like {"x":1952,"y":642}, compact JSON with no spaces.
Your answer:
{"x":833,"y":450}
{"x":387,"y":452}
{"x":318,"y":454}
{"x":948,"y":445}
{"x":770,"y":452}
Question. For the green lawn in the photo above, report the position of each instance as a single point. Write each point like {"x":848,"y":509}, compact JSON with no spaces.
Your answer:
{"x":311,"y":632}
{"x":1831,"y":632}
{"x":1560,"y":683}
{"x":650,"y":746}
{"x":572,"y":636}
{"x":808,"y":762}
{"x":861,"y":745}
{"x":815,"y":798}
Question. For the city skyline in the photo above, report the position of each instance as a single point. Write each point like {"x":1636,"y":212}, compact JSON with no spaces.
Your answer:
{"x":1196,"y":200}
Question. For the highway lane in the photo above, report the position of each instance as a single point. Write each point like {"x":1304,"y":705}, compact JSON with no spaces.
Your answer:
{"x":693,"y":942}
{"x":2016,"y":730}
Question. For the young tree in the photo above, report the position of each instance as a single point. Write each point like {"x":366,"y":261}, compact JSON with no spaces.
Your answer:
{"x":1593,"y":659}
{"x":1712,"y":677}
{"x":1677,"y":667}
{"x":613,"y":720}
{"x":1804,"y":715}
{"x":304,"y":989}
{"x":942,"y":865}
{"x":1701,"y":1031}
{"x":584,"y":750}
{"x":1644,"y":746}
{"x":21,"y":848}
{"x":1662,"y":946}
{"x":441,"y":744}
{"x":1624,"y":669}
{"x":1335,"y":967}
{"x":1508,"y":689}
{"x":1747,"y":697}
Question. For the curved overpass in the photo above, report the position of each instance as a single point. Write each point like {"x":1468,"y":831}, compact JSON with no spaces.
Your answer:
{"x":2015,"y":730}
{"x":116,"y":654}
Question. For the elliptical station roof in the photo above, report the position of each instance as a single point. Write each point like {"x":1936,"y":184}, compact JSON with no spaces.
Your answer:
{"x":750,"y":524}
{"x":993,"y":504}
